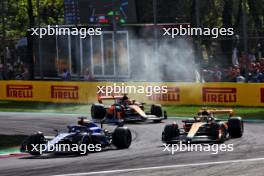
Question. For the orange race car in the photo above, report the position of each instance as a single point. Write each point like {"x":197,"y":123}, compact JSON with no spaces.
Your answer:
{"x":125,"y":110}
{"x":205,"y":128}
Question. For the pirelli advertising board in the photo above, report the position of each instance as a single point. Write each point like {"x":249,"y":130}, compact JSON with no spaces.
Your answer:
{"x":226,"y":94}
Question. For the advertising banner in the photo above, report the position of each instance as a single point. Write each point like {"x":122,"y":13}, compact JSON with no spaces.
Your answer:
{"x":224,"y":94}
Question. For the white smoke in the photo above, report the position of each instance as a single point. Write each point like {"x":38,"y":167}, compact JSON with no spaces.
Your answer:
{"x":169,"y":60}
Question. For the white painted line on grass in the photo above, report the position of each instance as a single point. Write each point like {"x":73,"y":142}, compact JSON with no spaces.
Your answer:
{"x":163,"y":167}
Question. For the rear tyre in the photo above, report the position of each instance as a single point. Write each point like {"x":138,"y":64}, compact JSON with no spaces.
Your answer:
{"x":156,"y":110}
{"x":98,"y":111}
{"x":235,"y":127}
{"x":170,"y":131}
{"x":122,"y":137}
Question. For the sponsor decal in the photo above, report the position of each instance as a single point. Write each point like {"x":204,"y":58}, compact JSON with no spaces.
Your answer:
{"x":65,"y":92}
{"x":173,"y":94}
{"x":262,"y":95}
{"x":219,"y":95}
{"x":19,"y":91}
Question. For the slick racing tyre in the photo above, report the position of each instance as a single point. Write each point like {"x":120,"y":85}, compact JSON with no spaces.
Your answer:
{"x":235,"y":127}
{"x":35,"y":139}
{"x":122,"y":137}
{"x":98,"y":111}
{"x":157,"y":111}
{"x":170,"y":131}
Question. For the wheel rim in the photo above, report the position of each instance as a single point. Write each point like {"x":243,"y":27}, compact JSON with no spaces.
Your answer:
{"x":221,"y":133}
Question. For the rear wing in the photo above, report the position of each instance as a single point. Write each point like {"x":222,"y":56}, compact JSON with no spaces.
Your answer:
{"x":114,"y":97}
{"x":217,"y":111}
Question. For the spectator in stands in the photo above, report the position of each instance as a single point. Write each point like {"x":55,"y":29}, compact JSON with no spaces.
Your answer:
{"x":243,"y":62}
{"x":88,"y":75}
{"x":251,"y":56}
{"x":235,"y":57}
{"x":1,"y":71}
{"x":255,"y":76}
{"x":261,"y":61}
{"x":25,"y":74}
{"x":257,"y":66}
{"x":240,"y":79}
{"x":18,"y":70}
{"x":251,"y":67}
{"x":207,"y":75}
{"x":66,"y":75}
{"x":231,"y":75}
{"x":217,"y":74}
{"x":10,"y":71}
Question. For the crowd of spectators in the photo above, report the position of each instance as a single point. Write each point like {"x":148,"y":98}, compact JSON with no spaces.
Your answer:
{"x":12,"y":67}
{"x":248,"y":70}
{"x":245,"y":68}
{"x":87,"y":75}
{"x":14,"y":71}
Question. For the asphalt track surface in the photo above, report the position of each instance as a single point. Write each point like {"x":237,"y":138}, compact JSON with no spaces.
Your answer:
{"x":144,"y":157}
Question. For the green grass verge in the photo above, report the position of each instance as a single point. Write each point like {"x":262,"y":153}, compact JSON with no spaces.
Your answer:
{"x":245,"y":112}
{"x":9,"y":150}
{"x":10,"y":141}
{"x":20,"y":106}
{"x":14,"y":106}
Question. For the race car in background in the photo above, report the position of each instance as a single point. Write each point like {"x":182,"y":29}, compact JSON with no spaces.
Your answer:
{"x":125,"y":110}
{"x":205,"y":128}
{"x":85,"y":132}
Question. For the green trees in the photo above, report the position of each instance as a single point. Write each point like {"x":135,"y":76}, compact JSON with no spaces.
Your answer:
{"x":213,"y":13}
{"x":20,"y":15}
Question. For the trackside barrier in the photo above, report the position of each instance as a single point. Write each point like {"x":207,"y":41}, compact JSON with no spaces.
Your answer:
{"x":227,"y":94}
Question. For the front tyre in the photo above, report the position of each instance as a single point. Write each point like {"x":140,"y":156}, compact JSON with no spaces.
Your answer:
{"x":170,"y":131}
{"x":235,"y":127}
{"x":218,"y":131}
{"x":33,"y":140}
{"x":122,"y":137}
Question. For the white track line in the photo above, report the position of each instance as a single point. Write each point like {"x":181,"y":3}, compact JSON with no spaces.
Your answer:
{"x":163,"y":167}
{"x":42,"y":113}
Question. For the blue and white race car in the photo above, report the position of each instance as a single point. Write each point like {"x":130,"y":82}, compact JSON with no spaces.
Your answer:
{"x":80,"y":139}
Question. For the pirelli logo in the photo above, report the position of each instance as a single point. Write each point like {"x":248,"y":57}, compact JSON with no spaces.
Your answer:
{"x":65,"y":92}
{"x":262,"y":95}
{"x":219,"y":95}
{"x":19,"y":91}
{"x":173,"y":95}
